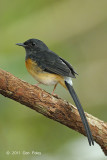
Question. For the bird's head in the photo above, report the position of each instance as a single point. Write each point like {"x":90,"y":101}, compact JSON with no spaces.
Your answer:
{"x":33,"y":45}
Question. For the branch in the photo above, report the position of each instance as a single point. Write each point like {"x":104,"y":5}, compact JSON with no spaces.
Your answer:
{"x":52,"y":107}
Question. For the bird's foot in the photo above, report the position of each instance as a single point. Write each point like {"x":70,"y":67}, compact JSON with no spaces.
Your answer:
{"x":37,"y":85}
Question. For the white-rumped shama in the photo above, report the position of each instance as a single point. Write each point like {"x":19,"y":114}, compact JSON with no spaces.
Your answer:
{"x":50,"y":69}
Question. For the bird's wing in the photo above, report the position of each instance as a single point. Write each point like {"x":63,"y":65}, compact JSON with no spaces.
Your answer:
{"x":52,"y":63}
{"x":70,"y":66}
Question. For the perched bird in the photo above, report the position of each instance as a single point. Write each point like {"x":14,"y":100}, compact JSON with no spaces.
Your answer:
{"x":50,"y":69}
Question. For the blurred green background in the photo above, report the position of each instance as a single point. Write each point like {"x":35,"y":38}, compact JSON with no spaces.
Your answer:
{"x":77,"y":31}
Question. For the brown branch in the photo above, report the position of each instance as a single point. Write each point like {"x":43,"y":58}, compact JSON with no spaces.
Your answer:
{"x":51,"y":106}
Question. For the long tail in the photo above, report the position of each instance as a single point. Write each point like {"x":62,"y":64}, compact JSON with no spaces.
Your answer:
{"x":81,"y":112}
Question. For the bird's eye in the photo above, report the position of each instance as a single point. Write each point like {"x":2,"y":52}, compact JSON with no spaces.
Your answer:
{"x":33,"y":44}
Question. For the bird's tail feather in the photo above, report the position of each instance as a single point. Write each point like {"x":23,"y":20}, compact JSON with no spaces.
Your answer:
{"x":81,"y":112}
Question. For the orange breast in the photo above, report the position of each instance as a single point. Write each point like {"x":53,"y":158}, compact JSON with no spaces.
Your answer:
{"x":32,"y":66}
{"x":41,"y":76}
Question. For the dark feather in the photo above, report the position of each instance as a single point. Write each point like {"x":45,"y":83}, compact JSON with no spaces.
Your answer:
{"x":81,"y":112}
{"x":52,"y":63}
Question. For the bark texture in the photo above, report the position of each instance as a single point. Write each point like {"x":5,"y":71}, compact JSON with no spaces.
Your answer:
{"x":51,"y":107}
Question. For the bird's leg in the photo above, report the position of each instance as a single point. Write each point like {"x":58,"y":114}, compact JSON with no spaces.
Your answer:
{"x":54,"y":88}
{"x":37,"y":85}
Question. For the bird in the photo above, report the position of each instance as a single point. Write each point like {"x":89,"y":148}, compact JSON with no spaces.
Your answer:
{"x":50,"y":69}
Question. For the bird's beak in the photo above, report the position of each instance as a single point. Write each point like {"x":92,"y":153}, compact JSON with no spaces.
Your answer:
{"x":20,"y":44}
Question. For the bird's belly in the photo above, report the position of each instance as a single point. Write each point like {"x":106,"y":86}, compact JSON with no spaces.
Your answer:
{"x":41,"y":76}
{"x":45,"y":78}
